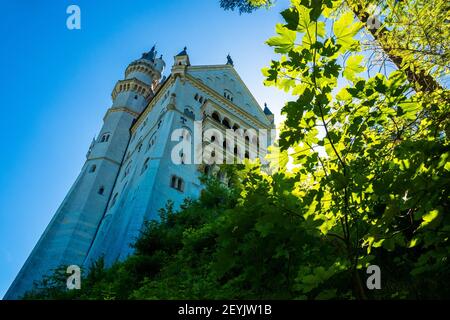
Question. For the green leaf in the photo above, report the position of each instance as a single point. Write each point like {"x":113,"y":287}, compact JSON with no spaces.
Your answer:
{"x":413,"y":242}
{"x":343,"y":95}
{"x":284,"y":42}
{"x":327,"y":294}
{"x":428,"y":218}
{"x":447,"y":166}
{"x":291,"y":17}
{"x":345,"y":29}
{"x":352,"y":67}
{"x":307,"y":26}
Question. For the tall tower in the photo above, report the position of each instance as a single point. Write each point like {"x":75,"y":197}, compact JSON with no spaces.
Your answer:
{"x":71,"y":232}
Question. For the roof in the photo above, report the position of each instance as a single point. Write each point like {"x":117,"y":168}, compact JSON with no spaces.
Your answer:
{"x":267,"y":111}
{"x":149,"y":55}
{"x":183,"y":53}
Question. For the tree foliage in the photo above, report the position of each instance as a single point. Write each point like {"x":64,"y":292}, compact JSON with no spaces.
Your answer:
{"x":372,"y":154}
{"x":244,"y":6}
{"x":247,"y":241}
{"x":414,"y":36}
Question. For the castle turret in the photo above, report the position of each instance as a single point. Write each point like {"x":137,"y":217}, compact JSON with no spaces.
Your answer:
{"x":70,"y":234}
{"x":269,"y":113}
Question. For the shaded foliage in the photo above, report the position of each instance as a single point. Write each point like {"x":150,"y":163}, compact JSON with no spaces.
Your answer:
{"x":244,"y":6}
{"x":250,"y":241}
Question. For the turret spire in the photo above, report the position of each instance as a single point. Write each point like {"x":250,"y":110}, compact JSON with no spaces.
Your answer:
{"x":151,"y":54}
{"x":267,"y":110}
{"x":268,"y":113}
{"x":229,"y":60}
{"x":183,"y":53}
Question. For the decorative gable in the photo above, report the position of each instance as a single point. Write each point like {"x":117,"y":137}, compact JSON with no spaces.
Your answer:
{"x":225,"y":81}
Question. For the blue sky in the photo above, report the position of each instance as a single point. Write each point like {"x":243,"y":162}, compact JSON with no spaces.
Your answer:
{"x":56,"y":86}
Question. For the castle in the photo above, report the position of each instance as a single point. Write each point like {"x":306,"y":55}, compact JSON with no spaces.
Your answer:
{"x":136,"y":164}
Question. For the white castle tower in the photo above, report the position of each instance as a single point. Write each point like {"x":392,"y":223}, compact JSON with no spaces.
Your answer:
{"x":131,"y":172}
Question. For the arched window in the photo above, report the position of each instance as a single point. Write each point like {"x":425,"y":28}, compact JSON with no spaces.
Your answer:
{"x":101,"y":190}
{"x":177,"y":183}
{"x":145,"y":166}
{"x":247,"y":156}
{"x":224,"y":144}
{"x":216,"y":116}
{"x":105,"y":137}
{"x":173,"y":182}
{"x":200,"y":100}
{"x":226,"y":123}
{"x":196,"y":97}
{"x":227,"y":94}
{"x":180,"y":185}
{"x":151,"y":143}
{"x":213,"y":138}
{"x":93,"y":168}
{"x":235,"y":127}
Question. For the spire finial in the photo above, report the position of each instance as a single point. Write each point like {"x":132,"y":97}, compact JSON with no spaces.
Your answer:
{"x":184,"y":52}
{"x":151,"y":54}
{"x":267,"y":111}
{"x":229,"y":60}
